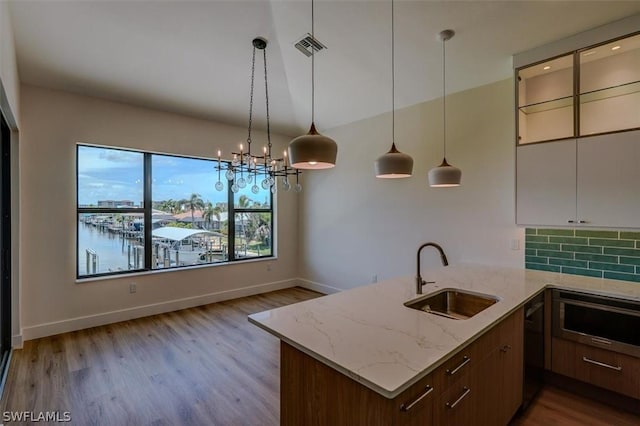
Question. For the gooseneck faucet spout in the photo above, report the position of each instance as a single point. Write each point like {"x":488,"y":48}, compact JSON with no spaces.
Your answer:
{"x":419,"y":281}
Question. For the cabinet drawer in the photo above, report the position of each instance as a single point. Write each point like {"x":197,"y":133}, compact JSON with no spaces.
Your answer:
{"x":610,"y":370}
{"x":415,"y":405}
{"x":459,"y":404}
{"x":466,"y":360}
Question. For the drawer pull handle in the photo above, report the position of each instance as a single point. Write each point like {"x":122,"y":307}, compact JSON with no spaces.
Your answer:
{"x":407,"y":407}
{"x":465,"y":361}
{"x":457,"y":401}
{"x":601,"y":364}
{"x":505,"y":348}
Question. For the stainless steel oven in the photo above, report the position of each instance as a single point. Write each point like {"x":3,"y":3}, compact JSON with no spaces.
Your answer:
{"x":601,"y":321}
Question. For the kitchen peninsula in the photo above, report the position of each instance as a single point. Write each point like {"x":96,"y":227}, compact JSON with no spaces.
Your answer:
{"x":370,"y":359}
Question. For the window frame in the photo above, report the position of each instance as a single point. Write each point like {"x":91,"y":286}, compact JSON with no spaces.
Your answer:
{"x":147,"y":208}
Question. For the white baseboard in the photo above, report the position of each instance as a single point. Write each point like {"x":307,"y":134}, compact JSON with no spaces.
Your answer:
{"x":320,"y":288}
{"x":16,"y":341}
{"x":79,"y":323}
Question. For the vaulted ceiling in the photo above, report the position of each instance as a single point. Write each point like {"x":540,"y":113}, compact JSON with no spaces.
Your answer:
{"x":194,"y":57}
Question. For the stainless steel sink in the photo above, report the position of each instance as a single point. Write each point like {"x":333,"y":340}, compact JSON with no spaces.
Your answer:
{"x":452,"y":303}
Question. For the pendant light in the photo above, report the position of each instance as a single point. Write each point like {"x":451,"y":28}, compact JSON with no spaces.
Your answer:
{"x":394,"y":164}
{"x":445,"y":175}
{"x":313,"y":150}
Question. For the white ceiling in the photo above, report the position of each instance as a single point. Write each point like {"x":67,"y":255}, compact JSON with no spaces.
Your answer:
{"x":193,"y":57}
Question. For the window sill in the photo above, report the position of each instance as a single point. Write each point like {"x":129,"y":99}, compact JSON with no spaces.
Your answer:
{"x":170,"y":270}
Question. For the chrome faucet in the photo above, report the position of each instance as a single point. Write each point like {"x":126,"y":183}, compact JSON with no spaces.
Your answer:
{"x":419,"y":281}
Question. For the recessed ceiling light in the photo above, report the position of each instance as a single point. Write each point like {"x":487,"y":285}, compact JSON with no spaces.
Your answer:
{"x":589,"y":53}
{"x":547,"y":68}
{"x":615,"y":48}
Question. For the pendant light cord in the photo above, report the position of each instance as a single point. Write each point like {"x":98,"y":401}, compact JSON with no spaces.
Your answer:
{"x":266,"y":97}
{"x":444,"y":98}
{"x":313,"y":67}
{"x":393,"y":79}
{"x":253,"y":73}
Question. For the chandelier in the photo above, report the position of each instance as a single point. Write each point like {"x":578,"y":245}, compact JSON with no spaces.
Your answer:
{"x":248,"y":168}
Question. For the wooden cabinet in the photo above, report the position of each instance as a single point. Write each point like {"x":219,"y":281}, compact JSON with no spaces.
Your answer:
{"x":588,"y":182}
{"x":312,"y":393}
{"x":486,"y":385}
{"x":600,"y":367}
{"x":480,"y":385}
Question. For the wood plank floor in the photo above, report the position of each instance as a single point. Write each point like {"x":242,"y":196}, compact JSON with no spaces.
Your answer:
{"x":554,"y":406}
{"x":201,"y":366}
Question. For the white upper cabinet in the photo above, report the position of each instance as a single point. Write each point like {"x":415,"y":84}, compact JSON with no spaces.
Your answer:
{"x":546,"y":184}
{"x":545,"y":101}
{"x":609,"y":94}
{"x":578,"y":138}
{"x":609,"y":180}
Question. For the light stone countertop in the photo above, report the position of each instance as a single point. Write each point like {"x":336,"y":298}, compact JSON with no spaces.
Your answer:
{"x":368,"y":334}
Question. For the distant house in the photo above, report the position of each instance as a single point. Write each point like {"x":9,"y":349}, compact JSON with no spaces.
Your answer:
{"x":114,"y":204}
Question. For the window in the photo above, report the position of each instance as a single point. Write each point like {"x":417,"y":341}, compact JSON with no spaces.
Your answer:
{"x":139,"y":211}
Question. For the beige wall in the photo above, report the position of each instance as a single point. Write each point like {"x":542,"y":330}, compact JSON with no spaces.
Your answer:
{"x":52,"y":123}
{"x":354,"y":226}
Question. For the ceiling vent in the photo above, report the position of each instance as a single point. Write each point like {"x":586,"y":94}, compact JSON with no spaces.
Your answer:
{"x":309,"y":45}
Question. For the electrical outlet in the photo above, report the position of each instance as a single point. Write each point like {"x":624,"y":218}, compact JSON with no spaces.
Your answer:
{"x":133,"y":288}
{"x":515,"y":244}
{"x":269,"y":266}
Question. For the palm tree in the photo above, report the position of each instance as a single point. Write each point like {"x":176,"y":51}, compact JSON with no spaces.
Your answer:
{"x":210,"y":212}
{"x":193,"y":203}
{"x":244,"y":202}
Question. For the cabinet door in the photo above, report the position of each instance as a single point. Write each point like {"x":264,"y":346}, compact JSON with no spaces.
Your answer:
{"x":510,"y":368}
{"x":546,"y":183}
{"x":609,"y":180}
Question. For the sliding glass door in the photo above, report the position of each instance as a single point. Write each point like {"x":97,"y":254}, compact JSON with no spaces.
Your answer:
{"x":5,"y":245}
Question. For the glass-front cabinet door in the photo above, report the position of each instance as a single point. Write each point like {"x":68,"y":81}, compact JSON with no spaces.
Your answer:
{"x":609,"y":94}
{"x":545,"y":100}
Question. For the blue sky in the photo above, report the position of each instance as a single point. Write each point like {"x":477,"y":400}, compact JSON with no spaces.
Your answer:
{"x":108,"y":174}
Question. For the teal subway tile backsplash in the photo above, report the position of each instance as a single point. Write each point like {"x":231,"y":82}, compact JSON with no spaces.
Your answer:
{"x":545,"y":239}
{"x":624,"y":277}
{"x":573,"y":263}
{"x":556,"y":254}
{"x":594,"y":253}
{"x":622,"y":252}
{"x":629,"y":260}
{"x":541,"y":246}
{"x":539,"y":267}
{"x":630,"y":235}
{"x":597,"y":234}
{"x":582,"y":249}
{"x":582,"y":271}
{"x":611,"y":243}
{"x":559,"y":232}
{"x":599,"y":258}
{"x":570,"y":240}
{"x":612,"y":267}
